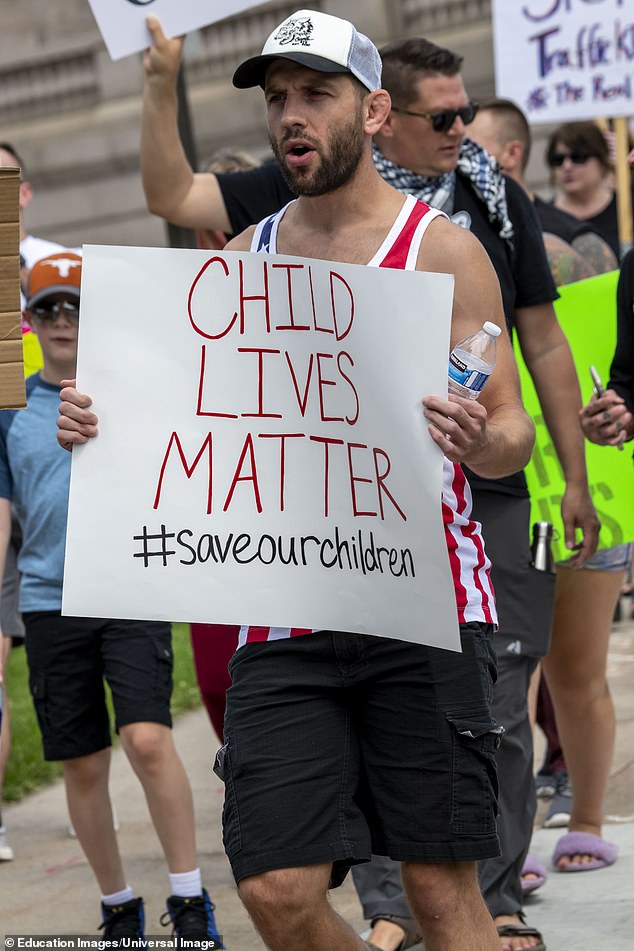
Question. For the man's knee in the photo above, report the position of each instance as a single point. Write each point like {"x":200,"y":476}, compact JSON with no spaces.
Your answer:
{"x":87,"y":771}
{"x":284,"y":895}
{"x":147,"y":745}
{"x":433,"y":890}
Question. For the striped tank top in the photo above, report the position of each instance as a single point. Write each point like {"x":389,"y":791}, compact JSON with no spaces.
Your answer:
{"x":470,"y":567}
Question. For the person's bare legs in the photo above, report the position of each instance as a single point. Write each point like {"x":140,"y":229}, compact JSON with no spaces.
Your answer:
{"x":86,"y":781}
{"x":575,"y":670}
{"x":291,"y":912}
{"x":5,"y":733}
{"x":152,"y":754}
{"x":447,"y":903}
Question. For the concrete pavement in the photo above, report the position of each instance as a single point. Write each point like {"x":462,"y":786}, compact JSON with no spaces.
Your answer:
{"x":49,"y":889}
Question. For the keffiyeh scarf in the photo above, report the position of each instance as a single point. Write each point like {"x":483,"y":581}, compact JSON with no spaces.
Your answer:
{"x":474,"y":163}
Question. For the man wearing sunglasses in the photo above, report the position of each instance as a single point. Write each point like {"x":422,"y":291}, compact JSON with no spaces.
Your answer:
{"x":69,"y":657}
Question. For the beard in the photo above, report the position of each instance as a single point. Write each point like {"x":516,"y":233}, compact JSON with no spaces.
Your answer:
{"x":345,"y":150}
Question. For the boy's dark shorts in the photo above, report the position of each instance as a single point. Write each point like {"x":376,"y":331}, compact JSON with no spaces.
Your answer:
{"x":68,"y":659}
{"x":341,"y":745}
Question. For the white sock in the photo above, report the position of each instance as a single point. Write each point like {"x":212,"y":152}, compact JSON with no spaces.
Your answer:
{"x":118,"y":898}
{"x":186,"y":884}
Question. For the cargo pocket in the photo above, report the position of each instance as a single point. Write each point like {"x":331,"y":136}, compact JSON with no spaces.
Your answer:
{"x":231,"y":830}
{"x":163,"y":668}
{"x":475,"y":737}
{"x":37,"y":685}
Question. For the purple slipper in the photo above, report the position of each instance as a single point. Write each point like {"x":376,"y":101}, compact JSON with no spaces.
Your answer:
{"x":585,"y":843}
{"x":533,"y":866}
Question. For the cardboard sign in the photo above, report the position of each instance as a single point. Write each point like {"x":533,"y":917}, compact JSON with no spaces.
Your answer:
{"x":12,"y":392}
{"x":122,"y":22}
{"x":565,"y":60}
{"x":262,"y":457}
{"x":587,"y":314}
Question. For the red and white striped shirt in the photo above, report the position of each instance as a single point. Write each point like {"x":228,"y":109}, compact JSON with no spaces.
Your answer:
{"x":470,"y":567}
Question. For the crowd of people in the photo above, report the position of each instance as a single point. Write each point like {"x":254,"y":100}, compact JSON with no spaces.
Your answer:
{"x":421,"y":760}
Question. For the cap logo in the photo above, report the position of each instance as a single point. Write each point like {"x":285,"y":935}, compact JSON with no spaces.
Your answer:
{"x":63,"y":265}
{"x":296,"y":31}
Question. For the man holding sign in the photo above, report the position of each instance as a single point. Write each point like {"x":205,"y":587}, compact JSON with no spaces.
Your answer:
{"x":341,"y":744}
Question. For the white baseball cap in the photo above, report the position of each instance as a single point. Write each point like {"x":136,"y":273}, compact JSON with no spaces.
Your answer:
{"x":319,"y":41}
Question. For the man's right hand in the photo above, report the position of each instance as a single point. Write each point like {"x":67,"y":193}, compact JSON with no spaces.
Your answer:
{"x":76,"y":424}
{"x":162,"y":59}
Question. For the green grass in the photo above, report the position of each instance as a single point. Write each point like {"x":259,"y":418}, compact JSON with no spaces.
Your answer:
{"x":27,"y":769}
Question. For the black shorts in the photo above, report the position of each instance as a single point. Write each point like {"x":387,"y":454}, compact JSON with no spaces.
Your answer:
{"x":69,"y":657}
{"x":341,"y":745}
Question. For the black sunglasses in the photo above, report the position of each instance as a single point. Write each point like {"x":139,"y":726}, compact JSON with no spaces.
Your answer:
{"x":50,"y":310}
{"x":443,"y":121}
{"x":557,"y":159}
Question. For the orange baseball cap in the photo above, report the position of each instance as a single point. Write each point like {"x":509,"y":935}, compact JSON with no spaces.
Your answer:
{"x":55,"y":274}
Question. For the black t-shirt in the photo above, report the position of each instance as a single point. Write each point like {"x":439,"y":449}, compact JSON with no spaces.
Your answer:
{"x":560,"y":223}
{"x":251,"y":196}
{"x":622,"y":369}
{"x":523,"y":273}
{"x":606,"y":225}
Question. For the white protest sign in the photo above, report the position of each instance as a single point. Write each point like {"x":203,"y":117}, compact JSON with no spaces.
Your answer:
{"x":262,"y":455}
{"x":122,"y":22}
{"x":565,"y":60}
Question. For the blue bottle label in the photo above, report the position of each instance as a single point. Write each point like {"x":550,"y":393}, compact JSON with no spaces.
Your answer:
{"x":460,"y":373}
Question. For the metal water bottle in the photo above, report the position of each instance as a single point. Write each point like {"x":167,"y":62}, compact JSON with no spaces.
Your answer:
{"x":541,"y":547}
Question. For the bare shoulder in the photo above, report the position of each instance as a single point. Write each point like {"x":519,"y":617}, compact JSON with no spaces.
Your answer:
{"x":450,"y":249}
{"x":242,"y":241}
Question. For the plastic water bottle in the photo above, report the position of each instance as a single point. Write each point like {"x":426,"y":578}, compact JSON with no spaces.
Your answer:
{"x":472,"y":361}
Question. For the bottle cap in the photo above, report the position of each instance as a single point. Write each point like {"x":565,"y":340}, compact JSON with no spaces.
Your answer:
{"x":490,"y":328}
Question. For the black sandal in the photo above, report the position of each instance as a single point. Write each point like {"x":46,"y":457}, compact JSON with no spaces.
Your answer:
{"x":522,"y":931}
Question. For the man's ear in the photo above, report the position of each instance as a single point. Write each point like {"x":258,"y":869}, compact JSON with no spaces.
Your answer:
{"x":512,"y":155}
{"x":378,"y":105}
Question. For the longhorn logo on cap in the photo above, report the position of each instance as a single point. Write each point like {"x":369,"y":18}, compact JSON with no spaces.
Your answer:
{"x":63,"y":265}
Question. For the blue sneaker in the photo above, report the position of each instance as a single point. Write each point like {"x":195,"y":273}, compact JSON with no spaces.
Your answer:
{"x":558,"y":815}
{"x":193,"y":918}
{"x":126,"y":920}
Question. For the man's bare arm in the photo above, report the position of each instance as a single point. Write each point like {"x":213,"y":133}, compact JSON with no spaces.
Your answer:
{"x":550,"y":364}
{"x":494,"y":436}
{"x":172,"y":189}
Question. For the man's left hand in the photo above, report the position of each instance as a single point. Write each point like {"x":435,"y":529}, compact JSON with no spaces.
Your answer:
{"x":458,"y":426}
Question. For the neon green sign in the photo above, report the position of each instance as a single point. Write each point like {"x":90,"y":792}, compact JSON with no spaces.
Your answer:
{"x":587,"y":314}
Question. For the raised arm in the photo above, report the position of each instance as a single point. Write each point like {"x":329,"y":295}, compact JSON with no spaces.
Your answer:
{"x":172,"y":189}
{"x":494,"y":435}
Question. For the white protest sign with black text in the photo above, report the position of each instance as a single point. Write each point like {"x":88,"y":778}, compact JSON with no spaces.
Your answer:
{"x":122,"y":22}
{"x":565,"y":60}
{"x":262,"y":455}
